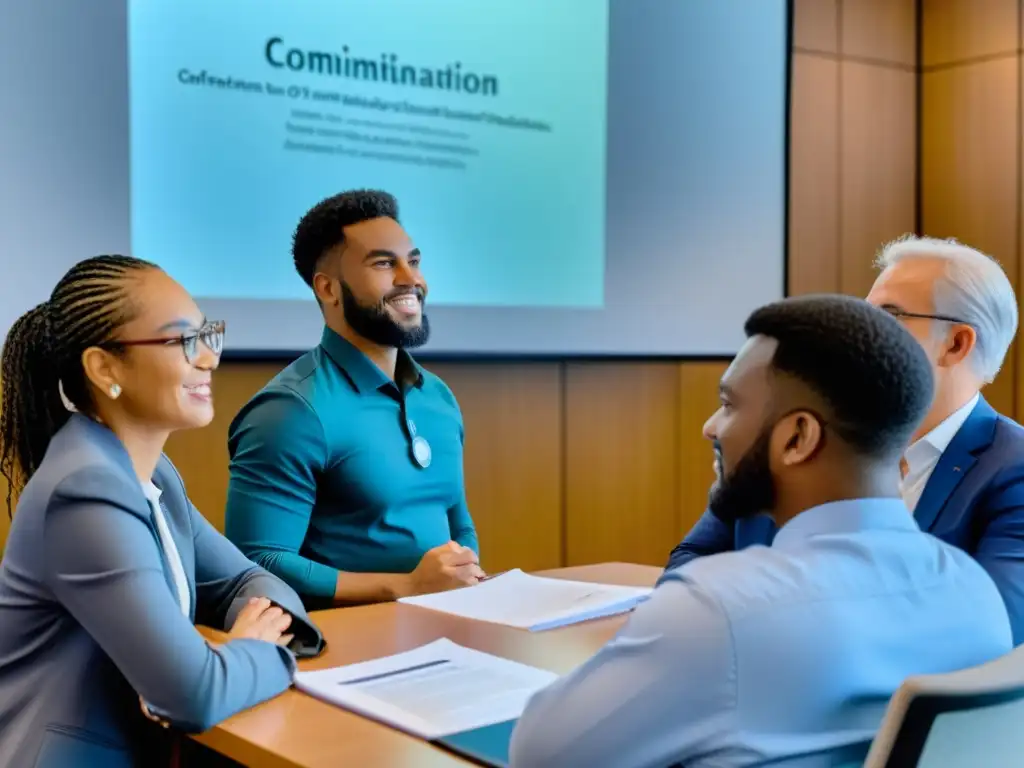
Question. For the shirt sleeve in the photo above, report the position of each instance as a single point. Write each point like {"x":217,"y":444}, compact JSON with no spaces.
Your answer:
{"x":461,"y":525}
{"x":226,"y":580}
{"x":662,"y":691}
{"x":278,"y":451}
{"x":709,"y":536}
{"x":460,"y":522}
{"x":104,"y":566}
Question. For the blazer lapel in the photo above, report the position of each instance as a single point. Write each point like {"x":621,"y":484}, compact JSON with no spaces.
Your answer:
{"x":112,"y":448}
{"x":956,"y":461}
{"x":172,"y":501}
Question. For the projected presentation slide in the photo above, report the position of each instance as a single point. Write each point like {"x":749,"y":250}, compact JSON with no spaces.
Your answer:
{"x":487,"y":120}
{"x":584,"y":178}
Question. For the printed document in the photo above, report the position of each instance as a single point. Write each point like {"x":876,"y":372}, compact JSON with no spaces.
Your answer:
{"x":518,"y":599}
{"x":432,"y":691}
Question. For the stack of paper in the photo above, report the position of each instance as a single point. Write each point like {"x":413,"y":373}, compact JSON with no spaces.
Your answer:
{"x":518,"y":599}
{"x":433,"y":691}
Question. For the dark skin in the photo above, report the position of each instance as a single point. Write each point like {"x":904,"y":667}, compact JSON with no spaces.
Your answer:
{"x":808,"y":469}
{"x":147,"y":392}
{"x":156,"y":385}
{"x":380,"y":264}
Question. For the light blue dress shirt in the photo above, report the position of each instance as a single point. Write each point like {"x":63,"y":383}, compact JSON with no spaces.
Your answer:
{"x":786,"y":653}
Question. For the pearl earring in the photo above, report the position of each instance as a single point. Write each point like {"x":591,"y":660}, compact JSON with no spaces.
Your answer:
{"x":115,"y":391}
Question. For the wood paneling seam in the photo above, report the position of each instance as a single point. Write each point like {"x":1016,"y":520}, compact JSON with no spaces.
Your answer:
{"x":983,"y":59}
{"x":868,"y":60}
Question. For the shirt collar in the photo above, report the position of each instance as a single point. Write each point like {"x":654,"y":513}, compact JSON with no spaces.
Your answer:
{"x":361,"y":371}
{"x":152,"y":493}
{"x":850,"y":516}
{"x":935,"y":442}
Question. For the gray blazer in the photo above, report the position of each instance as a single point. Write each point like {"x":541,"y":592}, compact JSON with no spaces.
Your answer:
{"x":89,"y":621}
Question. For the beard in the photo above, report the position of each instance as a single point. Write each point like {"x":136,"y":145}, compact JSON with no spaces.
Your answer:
{"x":749,"y":489}
{"x":373,"y":322}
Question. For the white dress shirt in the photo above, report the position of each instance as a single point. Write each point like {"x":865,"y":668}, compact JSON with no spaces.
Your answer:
{"x":924,"y":454}
{"x":787,"y":653}
{"x":170,"y":548}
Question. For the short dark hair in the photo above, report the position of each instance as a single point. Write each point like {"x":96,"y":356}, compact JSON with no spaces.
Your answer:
{"x":872,"y":374}
{"x":42,"y":358}
{"x":321,"y":229}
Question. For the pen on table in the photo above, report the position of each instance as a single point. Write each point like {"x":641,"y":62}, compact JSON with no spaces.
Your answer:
{"x":393,"y":672}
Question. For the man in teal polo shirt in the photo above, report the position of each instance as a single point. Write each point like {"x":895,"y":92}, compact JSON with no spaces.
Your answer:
{"x":346,"y":469}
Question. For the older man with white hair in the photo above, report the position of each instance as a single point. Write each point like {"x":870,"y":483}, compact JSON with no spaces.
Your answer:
{"x":963,"y":474}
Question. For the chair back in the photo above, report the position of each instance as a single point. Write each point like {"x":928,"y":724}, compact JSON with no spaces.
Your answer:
{"x":972,"y":718}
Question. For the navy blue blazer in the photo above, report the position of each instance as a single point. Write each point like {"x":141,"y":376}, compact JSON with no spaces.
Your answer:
{"x":973,"y":500}
{"x":89,"y":619}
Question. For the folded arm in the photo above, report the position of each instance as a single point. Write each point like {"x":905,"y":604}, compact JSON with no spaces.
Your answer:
{"x":710,"y":536}
{"x":104,"y":566}
{"x":226,"y":580}
{"x":661,"y":692}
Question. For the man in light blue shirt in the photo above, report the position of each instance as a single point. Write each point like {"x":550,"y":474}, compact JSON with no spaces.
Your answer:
{"x":964,"y":469}
{"x":787,"y":653}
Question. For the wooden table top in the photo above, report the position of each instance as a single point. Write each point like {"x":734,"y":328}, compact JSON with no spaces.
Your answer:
{"x":297,"y":731}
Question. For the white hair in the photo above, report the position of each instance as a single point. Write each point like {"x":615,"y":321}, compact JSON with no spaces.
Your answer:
{"x":973,"y":288}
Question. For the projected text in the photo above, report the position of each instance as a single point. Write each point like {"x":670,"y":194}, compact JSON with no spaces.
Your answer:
{"x":386,"y":69}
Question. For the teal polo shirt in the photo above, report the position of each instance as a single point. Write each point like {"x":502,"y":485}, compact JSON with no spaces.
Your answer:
{"x":323,"y":476}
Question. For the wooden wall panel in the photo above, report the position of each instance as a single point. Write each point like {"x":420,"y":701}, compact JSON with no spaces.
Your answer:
{"x":881,"y":30}
{"x":622,"y":462}
{"x":878,"y":129}
{"x":960,"y":30}
{"x":816,"y":25}
{"x":969,"y":169}
{"x":969,"y":154}
{"x":513,"y":417}
{"x":698,"y":399}
{"x":814,"y":176}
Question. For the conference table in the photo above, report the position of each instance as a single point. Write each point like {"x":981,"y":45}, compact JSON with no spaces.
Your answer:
{"x":295,"y":730}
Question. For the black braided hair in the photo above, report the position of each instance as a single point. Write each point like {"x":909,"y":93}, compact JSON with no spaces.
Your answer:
{"x":42,"y":354}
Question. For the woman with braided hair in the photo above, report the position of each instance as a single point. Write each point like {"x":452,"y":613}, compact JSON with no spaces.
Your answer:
{"x":108,"y":565}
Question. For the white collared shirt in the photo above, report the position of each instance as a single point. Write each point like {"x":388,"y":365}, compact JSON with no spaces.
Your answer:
{"x":170,"y":548}
{"x":923,"y":456}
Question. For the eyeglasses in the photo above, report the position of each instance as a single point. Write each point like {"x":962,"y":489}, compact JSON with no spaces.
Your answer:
{"x":211,"y":334}
{"x":897,"y":313}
